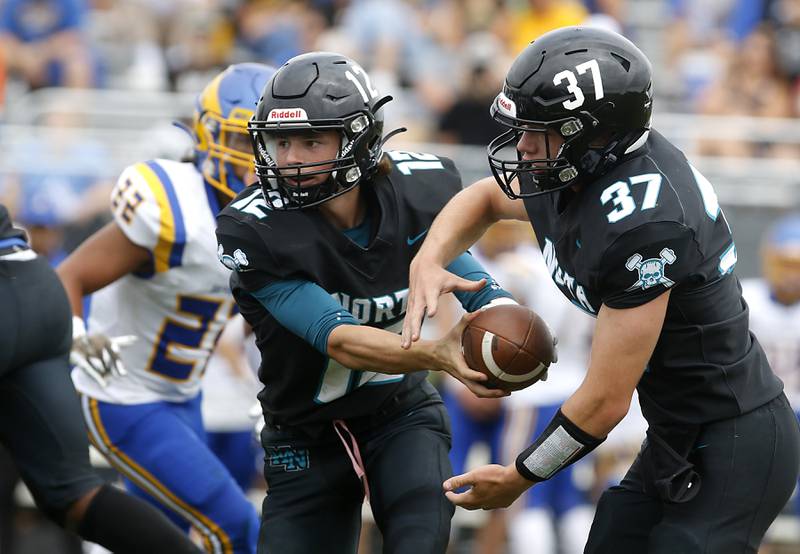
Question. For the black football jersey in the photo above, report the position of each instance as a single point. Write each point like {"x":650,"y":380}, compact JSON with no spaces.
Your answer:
{"x":654,"y":223}
{"x":7,"y":230}
{"x":301,"y":384}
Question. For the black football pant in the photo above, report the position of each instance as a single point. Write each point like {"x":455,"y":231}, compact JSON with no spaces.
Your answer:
{"x":40,"y":416}
{"x":748,"y":465}
{"x":314,"y":497}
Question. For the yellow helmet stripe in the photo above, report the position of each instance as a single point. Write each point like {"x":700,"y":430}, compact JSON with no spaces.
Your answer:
{"x":209,"y":101}
{"x":172,"y":233}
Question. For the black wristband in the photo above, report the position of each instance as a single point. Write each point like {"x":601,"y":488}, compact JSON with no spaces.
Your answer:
{"x":560,"y":445}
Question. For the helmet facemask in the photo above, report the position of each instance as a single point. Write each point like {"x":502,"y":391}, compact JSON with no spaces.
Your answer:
{"x":554,"y":172}
{"x":587,"y":150}
{"x":355,"y":160}
{"x":223,"y":149}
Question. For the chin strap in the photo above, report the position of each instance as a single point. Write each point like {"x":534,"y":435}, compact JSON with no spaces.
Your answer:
{"x":596,"y":162}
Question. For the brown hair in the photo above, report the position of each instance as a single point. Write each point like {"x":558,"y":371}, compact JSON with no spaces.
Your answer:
{"x":384,"y":166}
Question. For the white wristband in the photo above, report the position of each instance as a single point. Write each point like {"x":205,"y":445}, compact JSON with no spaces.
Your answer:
{"x":501,"y":301}
{"x":78,"y":327}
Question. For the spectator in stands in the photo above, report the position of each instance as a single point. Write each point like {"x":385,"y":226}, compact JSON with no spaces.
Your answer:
{"x":785,"y":15}
{"x":702,"y":37}
{"x":199,"y":46}
{"x":615,"y":9}
{"x":752,"y":85}
{"x":274,"y":31}
{"x":60,"y":163}
{"x":539,"y":17}
{"x":385,"y":37}
{"x":385,"y":33}
{"x":2,"y":84}
{"x":440,"y":58}
{"x":43,"y":42}
{"x":467,"y":121}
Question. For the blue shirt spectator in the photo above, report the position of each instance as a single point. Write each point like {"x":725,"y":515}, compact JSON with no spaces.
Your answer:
{"x":44,"y":42}
{"x":36,"y":20}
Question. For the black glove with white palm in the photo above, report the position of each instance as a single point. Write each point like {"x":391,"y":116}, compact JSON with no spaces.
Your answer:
{"x":98,"y":355}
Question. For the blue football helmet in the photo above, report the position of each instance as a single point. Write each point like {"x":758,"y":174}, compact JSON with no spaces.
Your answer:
{"x":221,"y":114}
{"x":780,"y":257}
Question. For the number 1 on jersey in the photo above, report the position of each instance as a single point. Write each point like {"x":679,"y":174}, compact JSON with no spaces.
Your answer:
{"x":407,"y":162}
{"x":620,"y":194}
{"x":338,"y":380}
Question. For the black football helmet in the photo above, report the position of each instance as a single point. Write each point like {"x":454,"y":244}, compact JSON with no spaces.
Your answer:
{"x":592,"y":87}
{"x":318,"y":91}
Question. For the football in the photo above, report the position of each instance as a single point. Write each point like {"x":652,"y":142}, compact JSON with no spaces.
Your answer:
{"x":511,"y":344}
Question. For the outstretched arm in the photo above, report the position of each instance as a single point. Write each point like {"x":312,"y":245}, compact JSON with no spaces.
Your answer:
{"x":308,"y":311}
{"x":623,"y":343}
{"x":361,"y":347}
{"x":460,"y":223}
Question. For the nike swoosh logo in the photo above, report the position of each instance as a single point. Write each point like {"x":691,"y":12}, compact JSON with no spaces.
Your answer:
{"x":412,"y":240}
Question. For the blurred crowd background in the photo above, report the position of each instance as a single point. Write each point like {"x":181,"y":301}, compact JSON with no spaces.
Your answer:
{"x":90,"y":86}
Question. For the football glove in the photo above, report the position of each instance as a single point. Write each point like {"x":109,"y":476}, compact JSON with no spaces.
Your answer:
{"x":97,"y":355}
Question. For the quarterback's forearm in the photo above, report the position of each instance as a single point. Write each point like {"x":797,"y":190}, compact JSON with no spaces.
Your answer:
{"x":364,"y":348}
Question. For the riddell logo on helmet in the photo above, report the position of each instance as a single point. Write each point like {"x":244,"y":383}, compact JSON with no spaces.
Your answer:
{"x":291,"y":114}
{"x":506,"y":105}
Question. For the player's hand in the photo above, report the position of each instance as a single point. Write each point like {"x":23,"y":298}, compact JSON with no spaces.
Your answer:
{"x":426,"y":282}
{"x":98,"y":355}
{"x":492,"y":486}
{"x":451,"y":359}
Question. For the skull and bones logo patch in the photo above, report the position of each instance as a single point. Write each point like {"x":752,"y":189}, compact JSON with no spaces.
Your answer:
{"x":237,"y":262}
{"x":651,"y":271}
